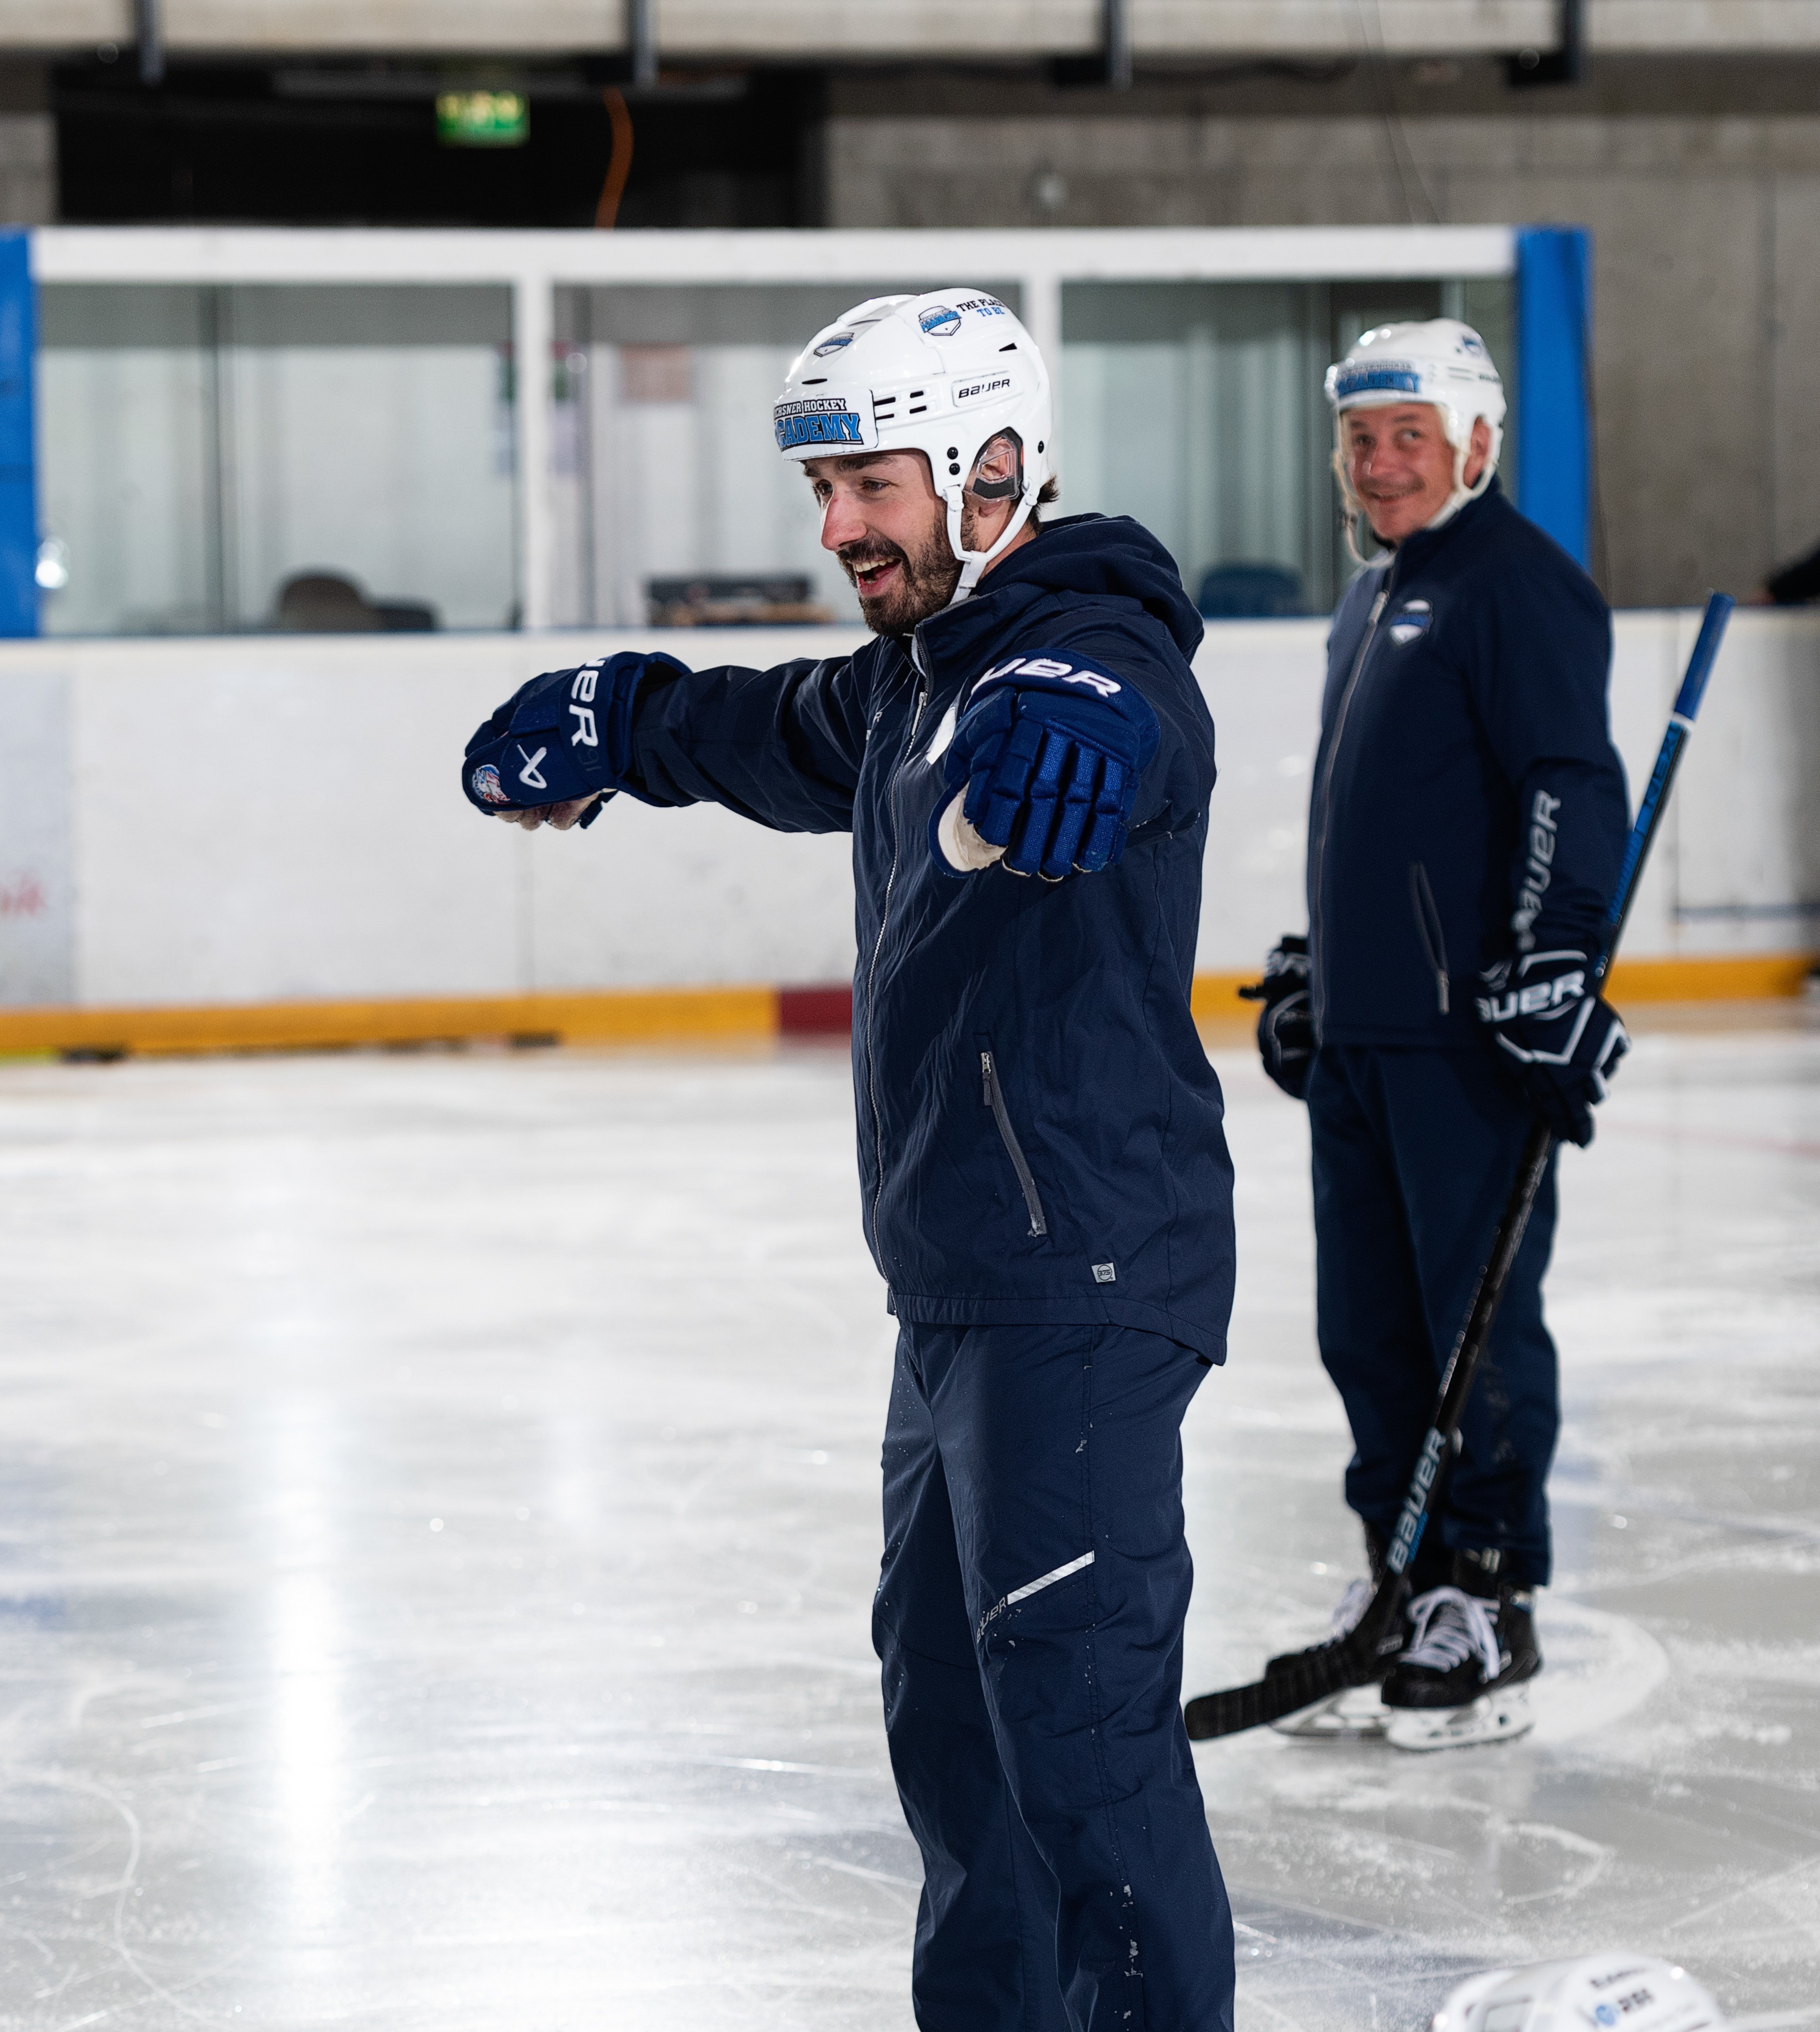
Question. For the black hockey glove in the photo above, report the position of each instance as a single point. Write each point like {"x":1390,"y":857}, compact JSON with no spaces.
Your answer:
{"x":1559,"y":1039}
{"x":566,"y":734}
{"x":1286,"y":1023}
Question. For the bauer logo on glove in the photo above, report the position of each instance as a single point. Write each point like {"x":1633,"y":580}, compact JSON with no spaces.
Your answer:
{"x":1046,"y":761}
{"x":566,"y":734}
{"x":1561,"y":1040}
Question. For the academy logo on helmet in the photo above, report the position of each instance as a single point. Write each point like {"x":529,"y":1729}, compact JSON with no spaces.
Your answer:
{"x":486,"y":786}
{"x":818,"y":420}
{"x":940,"y":322}
{"x":1396,"y":376}
{"x":833,"y":344}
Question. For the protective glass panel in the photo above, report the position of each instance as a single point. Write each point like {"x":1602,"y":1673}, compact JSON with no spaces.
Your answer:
{"x":1197,"y":408}
{"x":672,"y":504}
{"x":216,"y":460}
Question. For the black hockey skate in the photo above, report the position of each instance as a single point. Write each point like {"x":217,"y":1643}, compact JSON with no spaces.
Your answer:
{"x":1463,"y":1676}
{"x":1355,"y":1714}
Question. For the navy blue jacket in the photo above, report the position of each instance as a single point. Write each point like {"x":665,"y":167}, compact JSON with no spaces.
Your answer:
{"x":1041,"y":1134}
{"x":1468,"y":803}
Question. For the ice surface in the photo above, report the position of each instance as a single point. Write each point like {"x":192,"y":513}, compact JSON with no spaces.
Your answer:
{"x":438,"y":1516}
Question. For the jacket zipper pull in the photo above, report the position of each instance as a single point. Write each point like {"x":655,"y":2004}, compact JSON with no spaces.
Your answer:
{"x":985,"y":1079}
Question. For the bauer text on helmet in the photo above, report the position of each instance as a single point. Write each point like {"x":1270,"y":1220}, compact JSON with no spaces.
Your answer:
{"x":1441,"y":365}
{"x":945,"y":374}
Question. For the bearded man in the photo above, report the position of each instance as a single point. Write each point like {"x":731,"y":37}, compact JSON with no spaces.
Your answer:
{"x":1024,"y":759}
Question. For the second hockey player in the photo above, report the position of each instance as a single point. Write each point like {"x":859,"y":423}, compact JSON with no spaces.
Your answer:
{"x":1467,"y":823}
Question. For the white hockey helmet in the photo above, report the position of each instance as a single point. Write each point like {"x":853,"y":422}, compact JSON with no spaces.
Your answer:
{"x":1638,"y":1992}
{"x":1441,"y":361}
{"x":942,"y":374}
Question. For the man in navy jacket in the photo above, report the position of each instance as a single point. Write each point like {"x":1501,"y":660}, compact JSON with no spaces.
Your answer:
{"x":1024,"y":759}
{"x":1466,"y":825}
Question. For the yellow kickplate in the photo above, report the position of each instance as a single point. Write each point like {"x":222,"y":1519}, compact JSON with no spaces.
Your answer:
{"x":604,"y":1016}
{"x":1740,"y":977}
{"x":1746,"y":977}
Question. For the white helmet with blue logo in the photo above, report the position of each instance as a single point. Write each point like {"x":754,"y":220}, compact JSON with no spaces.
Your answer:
{"x":943,"y":374}
{"x":1636,"y":1991}
{"x":1441,"y":361}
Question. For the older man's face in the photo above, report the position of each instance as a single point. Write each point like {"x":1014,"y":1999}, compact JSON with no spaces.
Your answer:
{"x":1400,"y":463}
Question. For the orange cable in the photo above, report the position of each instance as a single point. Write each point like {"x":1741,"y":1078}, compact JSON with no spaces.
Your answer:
{"x":619,"y":165}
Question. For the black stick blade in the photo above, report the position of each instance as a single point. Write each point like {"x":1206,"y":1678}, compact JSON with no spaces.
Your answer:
{"x":1298,"y":1681}
{"x":1291,"y":1688}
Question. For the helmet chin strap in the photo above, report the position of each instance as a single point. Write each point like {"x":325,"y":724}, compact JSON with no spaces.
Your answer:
{"x":973,"y":563}
{"x":1462,"y":493}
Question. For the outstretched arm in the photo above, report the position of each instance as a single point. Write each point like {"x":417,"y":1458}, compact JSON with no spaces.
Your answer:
{"x":782,"y":746}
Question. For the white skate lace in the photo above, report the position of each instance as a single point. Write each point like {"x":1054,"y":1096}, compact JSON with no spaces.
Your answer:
{"x":1349,"y":1610}
{"x":1450,"y":1626}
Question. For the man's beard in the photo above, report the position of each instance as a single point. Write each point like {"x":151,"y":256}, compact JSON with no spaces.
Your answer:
{"x":923,"y":584}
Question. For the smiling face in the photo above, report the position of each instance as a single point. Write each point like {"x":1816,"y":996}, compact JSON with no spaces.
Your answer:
{"x":1400,"y":463}
{"x":883,"y":518}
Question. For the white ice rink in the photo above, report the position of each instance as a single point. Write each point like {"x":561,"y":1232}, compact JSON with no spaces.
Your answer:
{"x":439,"y":1501}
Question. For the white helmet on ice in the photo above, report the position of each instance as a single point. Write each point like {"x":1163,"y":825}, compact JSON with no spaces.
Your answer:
{"x":1443,"y":362}
{"x":1637,"y":1992}
{"x":943,"y":374}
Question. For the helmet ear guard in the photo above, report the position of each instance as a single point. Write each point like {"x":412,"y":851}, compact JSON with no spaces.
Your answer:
{"x":1011,"y":487}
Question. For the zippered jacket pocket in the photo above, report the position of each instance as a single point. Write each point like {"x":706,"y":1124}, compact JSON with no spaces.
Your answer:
{"x":1428,"y":924}
{"x":992,"y":1096}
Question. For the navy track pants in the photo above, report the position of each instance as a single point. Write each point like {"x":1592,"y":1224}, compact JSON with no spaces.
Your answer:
{"x":1414,"y":1152}
{"x":1029,"y":1618}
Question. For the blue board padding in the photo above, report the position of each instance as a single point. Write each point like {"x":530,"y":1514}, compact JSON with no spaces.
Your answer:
{"x":18,"y":439}
{"x":1554,"y":347}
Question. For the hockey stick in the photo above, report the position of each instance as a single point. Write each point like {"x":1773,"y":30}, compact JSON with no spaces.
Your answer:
{"x":1316,"y":1674}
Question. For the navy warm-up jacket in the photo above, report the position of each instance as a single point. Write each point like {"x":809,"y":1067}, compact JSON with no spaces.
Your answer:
{"x":1041,"y":1134}
{"x":1468,"y":803}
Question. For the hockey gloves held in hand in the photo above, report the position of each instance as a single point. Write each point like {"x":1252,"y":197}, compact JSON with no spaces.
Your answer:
{"x":1286,"y":1023}
{"x":1560,"y":1039}
{"x":1046,"y":760}
{"x":564,"y":735}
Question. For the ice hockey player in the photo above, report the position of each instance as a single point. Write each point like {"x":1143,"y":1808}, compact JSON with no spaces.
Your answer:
{"x":1466,"y":825}
{"x":1024,"y":760}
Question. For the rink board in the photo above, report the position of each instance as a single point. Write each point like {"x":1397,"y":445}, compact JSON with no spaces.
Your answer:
{"x":262,"y":840}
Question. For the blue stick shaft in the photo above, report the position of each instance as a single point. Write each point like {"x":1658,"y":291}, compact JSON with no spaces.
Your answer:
{"x":1667,"y":760}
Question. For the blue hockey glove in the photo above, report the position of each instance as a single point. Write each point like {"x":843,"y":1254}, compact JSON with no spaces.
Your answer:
{"x":566,"y":734}
{"x":1561,"y":1039}
{"x":1286,"y":1022}
{"x":1049,"y":753}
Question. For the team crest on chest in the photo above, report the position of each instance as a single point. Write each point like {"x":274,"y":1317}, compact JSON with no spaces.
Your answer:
{"x":1413,"y":618}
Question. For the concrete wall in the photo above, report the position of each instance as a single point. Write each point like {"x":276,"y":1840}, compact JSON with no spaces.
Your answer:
{"x":1702,"y":193}
{"x":266,"y":818}
{"x":817,"y":30}
{"x":28,"y":169}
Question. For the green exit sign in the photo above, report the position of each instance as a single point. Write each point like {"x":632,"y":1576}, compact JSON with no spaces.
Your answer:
{"x":483,"y":119}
